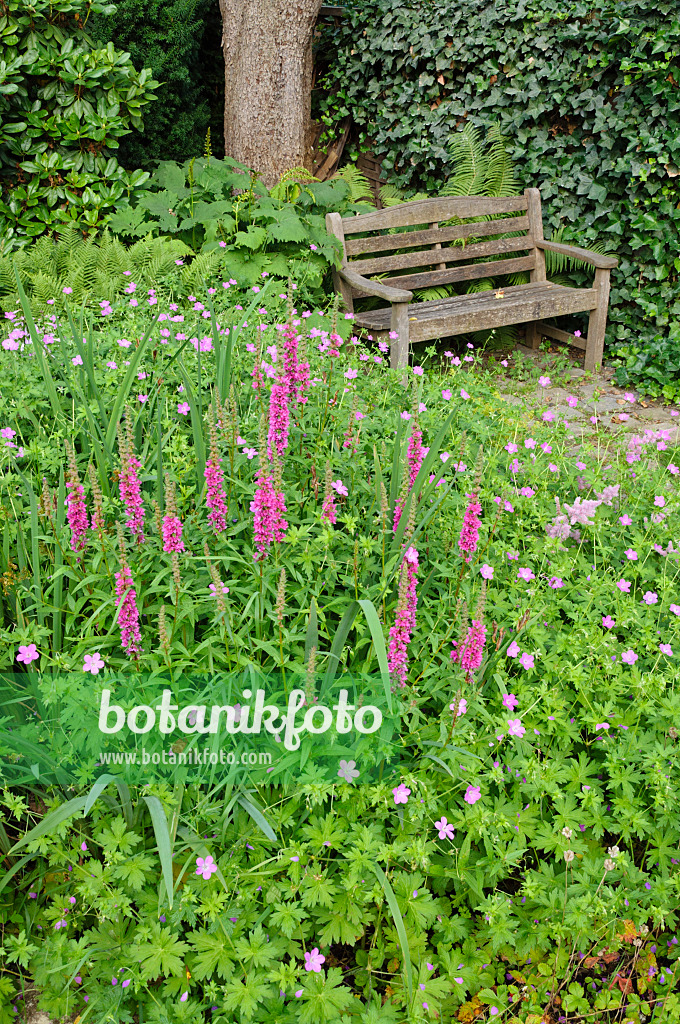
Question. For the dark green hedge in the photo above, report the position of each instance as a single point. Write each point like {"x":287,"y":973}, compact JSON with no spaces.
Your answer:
{"x":588,"y":94}
{"x":181,"y":41}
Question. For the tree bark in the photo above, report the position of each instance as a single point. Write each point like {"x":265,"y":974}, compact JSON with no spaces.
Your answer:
{"x":267,"y":47}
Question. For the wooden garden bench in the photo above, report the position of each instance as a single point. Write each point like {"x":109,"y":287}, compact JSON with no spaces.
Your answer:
{"x":433,"y":260}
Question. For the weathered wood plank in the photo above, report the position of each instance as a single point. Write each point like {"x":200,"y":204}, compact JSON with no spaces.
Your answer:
{"x":432,"y":278}
{"x":464,"y":313}
{"x":410,"y":239}
{"x":424,"y":211}
{"x":597,"y":321}
{"x":536,"y":231}
{"x":452,"y":254}
{"x":594,"y":258}
{"x":334,"y":227}
{"x":475,"y":300}
{"x":557,"y":335}
{"x":399,"y":325}
{"x":378,"y":288}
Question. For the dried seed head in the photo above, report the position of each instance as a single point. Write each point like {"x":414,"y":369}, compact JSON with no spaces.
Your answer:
{"x":568,"y":856}
{"x":281,"y":598}
{"x":163,"y":632}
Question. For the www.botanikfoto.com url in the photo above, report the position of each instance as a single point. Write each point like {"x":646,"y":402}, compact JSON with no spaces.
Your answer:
{"x":193,"y":756}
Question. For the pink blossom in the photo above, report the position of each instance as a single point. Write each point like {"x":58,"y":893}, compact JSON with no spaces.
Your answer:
{"x":510,"y":701}
{"x":172,"y":534}
{"x":629,"y":657}
{"x":76,"y":513}
{"x":527,"y":661}
{"x":445,"y":828}
{"x":513,"y":649}
{"x":93,"y":663}
{"x":268,"y":507}
{"x":469,"y":534}
{"x":314,"y":960}
{"x":515,"y":727}
{"x":216,"y":499}
{"x":205,"y":867}
{"x":623,"y":586}
{"x":472,"y":794}
{"x":666,"y":649}
{"x":128,"y":617}
{"x":608,"y":622}
{"x":486,"y":571}
{"x":27,"y":653}
{"x":401,"y":793}
{"x":405,"y":620}
{"x":131,"y":491}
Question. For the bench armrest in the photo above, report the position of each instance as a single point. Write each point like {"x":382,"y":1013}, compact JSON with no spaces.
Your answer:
{"x":594,"y":258}
{"x":382,"y":291}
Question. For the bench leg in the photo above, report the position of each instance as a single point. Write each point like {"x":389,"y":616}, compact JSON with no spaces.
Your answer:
{"x":533,"y":334}
{"x":400,"y":326}
{"x":597,"y":321}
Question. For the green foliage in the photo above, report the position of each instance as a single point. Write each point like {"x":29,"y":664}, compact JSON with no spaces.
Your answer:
{"x":220,"y":207}
{"x":64,"y":106}
{"x":559,"y":780}
{"x":587,"y":96}
{"x":179,"y":40}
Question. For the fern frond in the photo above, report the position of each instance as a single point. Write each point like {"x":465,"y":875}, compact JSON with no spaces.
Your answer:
{"x":359,"y":185}
{"x":466,"y":148}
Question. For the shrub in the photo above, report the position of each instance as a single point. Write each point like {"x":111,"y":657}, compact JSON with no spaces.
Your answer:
{"x":180,"y":42}
{"x":64,"y":105}
{"x":587,"y":96}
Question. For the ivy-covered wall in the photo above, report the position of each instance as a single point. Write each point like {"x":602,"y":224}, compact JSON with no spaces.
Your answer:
{"x":180,"y":40}
{"x":588,"y":93}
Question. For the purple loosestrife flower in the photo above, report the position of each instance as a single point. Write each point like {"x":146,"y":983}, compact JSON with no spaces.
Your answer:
{"x":470,"y":653}
{"x":128,"y":616}
{"x":215,"y":498}
{"x":268,"y":506}
{"x":76,"y":513}
{"x":130,"y":487}
{"x":172,"y":525}
{"x":469,"y":534}
{"x":400,"y":632}
{"x":415,"y":455}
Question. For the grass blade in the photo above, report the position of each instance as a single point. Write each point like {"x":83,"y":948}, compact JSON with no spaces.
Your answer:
{"x":51,"y":821}
{"x":258,"y":817}
{"x":379,"y":643}
{"x":399,"y":925}
{"x":162,"y":833}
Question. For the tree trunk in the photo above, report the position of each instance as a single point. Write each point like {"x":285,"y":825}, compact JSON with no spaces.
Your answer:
{"x":267,"y":48}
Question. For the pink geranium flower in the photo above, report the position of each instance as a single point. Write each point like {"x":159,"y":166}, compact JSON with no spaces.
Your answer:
{"x":472,"y":794}
{"x":401,"y":793}
{"x":445,"y":828}
{"x":314,"y":960}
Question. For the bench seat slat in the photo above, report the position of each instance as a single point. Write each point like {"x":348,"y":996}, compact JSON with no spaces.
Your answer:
{"x":452,"y":254}
{"x":410,"y":239}
{"x":462,"y":314}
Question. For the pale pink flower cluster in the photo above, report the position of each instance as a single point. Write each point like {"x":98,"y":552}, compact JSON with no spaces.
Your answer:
{"x":400,"y":633}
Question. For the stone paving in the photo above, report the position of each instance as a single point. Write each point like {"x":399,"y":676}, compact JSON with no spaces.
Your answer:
{"x":597,"y":397}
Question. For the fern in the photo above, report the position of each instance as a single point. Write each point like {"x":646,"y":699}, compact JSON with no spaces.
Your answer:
{"x":556,"y":263}
{"x":359,"y":185}
{"x":466,"y":149}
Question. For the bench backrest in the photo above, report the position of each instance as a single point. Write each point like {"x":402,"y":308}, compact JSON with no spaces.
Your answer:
{"x":517,"y":220}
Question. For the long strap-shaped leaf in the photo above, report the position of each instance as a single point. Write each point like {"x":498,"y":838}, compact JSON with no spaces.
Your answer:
{"x":57,"y":408}
{"x":126,"y":386}
{"x":162,"y":832}
{"x":399,"y":925}
{"x":51,"y":821}
{"x":339,"y":644}
{"x":258,"y":817}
